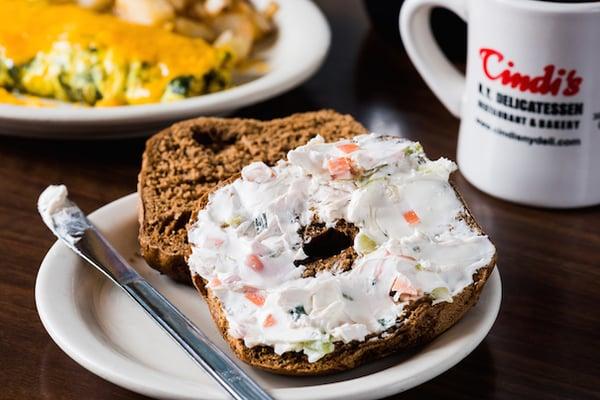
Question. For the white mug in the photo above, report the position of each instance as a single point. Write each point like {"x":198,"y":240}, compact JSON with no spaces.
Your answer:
{"x":530,"y":101}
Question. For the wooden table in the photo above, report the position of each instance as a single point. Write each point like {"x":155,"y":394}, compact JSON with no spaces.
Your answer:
{"x":544,"y":344}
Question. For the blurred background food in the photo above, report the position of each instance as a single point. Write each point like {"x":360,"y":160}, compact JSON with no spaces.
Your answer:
{"x":67,"y":53}
{"x":117,"y":52}
{"x":233,"y":24}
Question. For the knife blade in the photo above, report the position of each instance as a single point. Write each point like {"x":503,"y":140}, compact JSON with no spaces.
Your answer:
{"x":70,"y":225}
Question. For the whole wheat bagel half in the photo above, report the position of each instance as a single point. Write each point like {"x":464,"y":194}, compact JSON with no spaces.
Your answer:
{"x":422,"y":318}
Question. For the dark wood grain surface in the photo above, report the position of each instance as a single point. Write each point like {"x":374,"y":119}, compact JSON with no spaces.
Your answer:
{"x":544,"y":345}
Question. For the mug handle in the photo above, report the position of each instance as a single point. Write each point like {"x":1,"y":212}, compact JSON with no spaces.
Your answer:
{"x":446,"y":82}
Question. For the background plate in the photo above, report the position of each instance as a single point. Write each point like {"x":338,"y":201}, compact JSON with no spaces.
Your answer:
{"x":106,"y":332}
{"x":295,"y":54}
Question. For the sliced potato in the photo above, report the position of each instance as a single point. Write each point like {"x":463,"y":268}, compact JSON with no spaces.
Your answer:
{"x":179,"y":5}
{"x":145,"y":12}
{"x":193,"y":28}
{"x":215,"y":7}
{"x":239,"y":45}
{"x":96,"y":5}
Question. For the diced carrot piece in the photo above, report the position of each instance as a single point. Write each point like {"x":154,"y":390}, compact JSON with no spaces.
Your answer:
{"x":269,"y":321}
{"x":253,"y":261}
{"x":255,"y":298}
{"x":340,"y":168}
{"x":348,"y":147}
{"x":411,"y":217}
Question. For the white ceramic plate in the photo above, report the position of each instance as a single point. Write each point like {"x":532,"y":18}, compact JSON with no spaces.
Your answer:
{"x":106,"y":332}
{"x":297,"y":52}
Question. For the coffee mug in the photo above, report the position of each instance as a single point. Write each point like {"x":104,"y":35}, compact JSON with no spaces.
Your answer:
{"x":529,"y":102}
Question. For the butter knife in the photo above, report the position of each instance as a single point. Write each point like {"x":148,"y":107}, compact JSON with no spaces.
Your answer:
{"x":70,"y":225}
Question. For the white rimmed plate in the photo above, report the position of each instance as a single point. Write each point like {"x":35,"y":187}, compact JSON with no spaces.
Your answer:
{"x":296,"y":53}
{"x":107,"y":333}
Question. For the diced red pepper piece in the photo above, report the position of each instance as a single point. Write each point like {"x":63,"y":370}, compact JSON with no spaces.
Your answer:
{"x":253,"y":261}
{"x":348,"y":147}
{"x":269,"y":321}
{"x":340,"y":168}
{"x":411,"y":217}
{"x":255,"y":298}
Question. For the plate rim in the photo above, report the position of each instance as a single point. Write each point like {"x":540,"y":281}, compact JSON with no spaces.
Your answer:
{"x":269,"y":85}
{"x":182,"y":388}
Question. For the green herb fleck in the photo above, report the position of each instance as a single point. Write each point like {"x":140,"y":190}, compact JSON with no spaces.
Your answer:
{"x":316,"y":349}
{"x":419,"y":267}
{"x":367,"y":176}
{"x":416,"y":148}
{"x":442,"y":294}
{"x":260,"y":223}
{"x":365,"y":244}
{"x":347,"y":297}
{"x":181,"y":85}
{"x":297,"y":312}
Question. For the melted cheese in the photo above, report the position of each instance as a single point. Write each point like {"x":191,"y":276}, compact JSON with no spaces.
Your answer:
{"x":9,"y":98}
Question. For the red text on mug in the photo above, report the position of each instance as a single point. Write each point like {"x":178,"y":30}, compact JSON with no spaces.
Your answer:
{"x":552,"y":81}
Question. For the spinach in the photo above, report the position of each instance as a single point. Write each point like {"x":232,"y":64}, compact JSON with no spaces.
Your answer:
{"x":415,"y":148}
{"x":297,"y":312}
{"x":260,"y":223}
{"x":181,"y":85}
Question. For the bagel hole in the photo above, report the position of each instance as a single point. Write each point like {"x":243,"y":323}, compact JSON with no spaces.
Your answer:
{"x":329,"y":243}
{"x":328,"y":248}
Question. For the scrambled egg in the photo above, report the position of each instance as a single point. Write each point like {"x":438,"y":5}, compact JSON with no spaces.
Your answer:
{"x":70,"y":54}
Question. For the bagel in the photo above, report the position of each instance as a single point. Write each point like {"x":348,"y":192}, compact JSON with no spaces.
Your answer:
{"x":186,"y":160}
{"x":342,"y":253}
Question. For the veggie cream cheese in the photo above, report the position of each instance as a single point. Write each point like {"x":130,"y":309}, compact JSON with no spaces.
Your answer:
{"x":60,"y":214}
{"x":411,"y":242}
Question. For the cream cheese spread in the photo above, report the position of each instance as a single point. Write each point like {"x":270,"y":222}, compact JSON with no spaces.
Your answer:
{"x":58,"y":212}
{"x":411,"y":242}
{"x":52,"y":200}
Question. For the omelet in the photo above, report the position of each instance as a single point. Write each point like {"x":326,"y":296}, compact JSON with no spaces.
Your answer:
{"x":66,"y":53}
